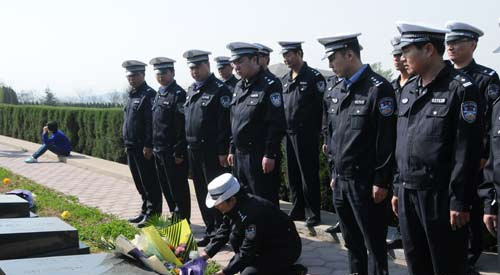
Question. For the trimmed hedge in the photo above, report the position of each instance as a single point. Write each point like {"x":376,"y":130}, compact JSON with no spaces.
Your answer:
{"x":94,"y":132}
{"x":97,"y":132}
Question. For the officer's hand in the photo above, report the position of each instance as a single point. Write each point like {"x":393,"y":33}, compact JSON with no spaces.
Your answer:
{"x":178,"y":160}
{"x":332,"y":183}
{"x":394,"y":203}
{"x":223,"y":161}
{"x":45,"y":129}
{"x":324,"y":148}
{"x":230,"y":159}
{"x":458,"y":219}
{"x":148,"y":152}
{"x":267,"y":165}
{"x":491,"y":223}
{"x":204,"y":254}
{"x":379,"y":194}
{"x":219,"y":273}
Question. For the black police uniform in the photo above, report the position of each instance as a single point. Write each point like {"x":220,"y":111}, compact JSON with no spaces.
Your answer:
{"x":169,"y":141}
{"x":326,"y":128}
{"x":257,"y":126}
{"x":488,"y":84}
{"x":231,"y":82}
{"x":207,"y":134}
{"x":437,"y":155}
{"x":264,"y":239}
{"x":137,"y":134}
{"x":362,"y":144}
{"x":490,"y":188}
{"x":302,"y":97}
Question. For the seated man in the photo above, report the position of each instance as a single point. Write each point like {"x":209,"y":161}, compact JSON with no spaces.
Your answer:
{"x":53,"y":140}
{"x":264,"y":239}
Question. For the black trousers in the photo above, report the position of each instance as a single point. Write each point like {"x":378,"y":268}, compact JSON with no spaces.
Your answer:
{"x":363,"y":224}
{"x":205,"y":167}
{"x":173,"y":179}
{"x":302,"y":155}
{"x":278,"y":261}
{"x":144,"y":175}
{"x":248,"y":171}
{"x":430,"y":244}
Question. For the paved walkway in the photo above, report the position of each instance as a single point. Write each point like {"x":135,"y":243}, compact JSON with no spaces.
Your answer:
{"x":115,"y":193}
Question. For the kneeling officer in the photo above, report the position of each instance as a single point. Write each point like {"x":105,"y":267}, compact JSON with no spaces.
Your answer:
{"x":264,"y":239}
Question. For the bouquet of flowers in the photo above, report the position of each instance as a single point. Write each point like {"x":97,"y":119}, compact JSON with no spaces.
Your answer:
{"x":166,"y":246}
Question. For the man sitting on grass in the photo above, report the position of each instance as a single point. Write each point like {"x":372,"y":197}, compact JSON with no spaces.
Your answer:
{"x":53,"y":140}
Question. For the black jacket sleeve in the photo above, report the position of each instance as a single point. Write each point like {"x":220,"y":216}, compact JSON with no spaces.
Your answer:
{"x":148,"y":118}
{"x":220,"y":239}
{"x":223,"y":122}
{"x":179,"y":125}
{"x":466,"y":147}
{"x":385,"y":120}
{"x":248,"y":251}
{"x":274,"y":117}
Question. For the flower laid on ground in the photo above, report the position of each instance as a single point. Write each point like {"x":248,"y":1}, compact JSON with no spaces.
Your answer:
{"x":166,"y":246}
{"x":65,"y":215}
{"x":6,"y":181}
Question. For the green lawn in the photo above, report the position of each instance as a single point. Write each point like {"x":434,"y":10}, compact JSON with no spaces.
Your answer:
{"x":90,"y":222}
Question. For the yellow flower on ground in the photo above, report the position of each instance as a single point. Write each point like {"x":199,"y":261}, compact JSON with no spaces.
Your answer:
{"x":6,"y":181}
{"x":65,"y":215}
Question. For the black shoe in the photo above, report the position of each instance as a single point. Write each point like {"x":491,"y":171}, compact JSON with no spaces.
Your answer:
{"x":395,"y":244}
{"x":137,"y":219}
{"x":313,"y":221}
{"x":204,"y":241}
{"x":333,"y":229}
{"x":144,"y":222}
{"x":298,"y":269}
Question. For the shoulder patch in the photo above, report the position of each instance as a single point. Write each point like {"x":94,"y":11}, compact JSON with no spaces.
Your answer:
{"x":386,"y":106}
{"x":469,"y":111}
{"x":225,"y":101}
{"x":251,"y":232}
{"x":276,"y":99}
{"x":493,"y":91}
{"x":321,"y":85}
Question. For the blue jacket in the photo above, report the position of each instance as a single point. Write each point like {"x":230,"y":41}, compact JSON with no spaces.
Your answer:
{"x":57,"y":139}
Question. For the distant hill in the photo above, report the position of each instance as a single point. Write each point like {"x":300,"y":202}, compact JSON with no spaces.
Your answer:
{"x":281,"y":69}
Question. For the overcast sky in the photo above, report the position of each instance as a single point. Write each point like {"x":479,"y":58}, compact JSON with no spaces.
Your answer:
{"x":76,"y":46}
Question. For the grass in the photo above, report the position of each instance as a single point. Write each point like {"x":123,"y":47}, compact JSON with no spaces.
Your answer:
{"x":89,"y":221}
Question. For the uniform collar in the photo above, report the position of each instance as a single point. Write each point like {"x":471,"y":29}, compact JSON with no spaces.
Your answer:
{"x":164,"y":89}
{"x":355,"y":77}
{"x":469,"y":67}
{"x":443,"y":73}
{"x":199,"y":85}
{"x":231,"y":78}
{"x":301,"y":72}
{"x":246,"y":83}
{"x":139,"y":89}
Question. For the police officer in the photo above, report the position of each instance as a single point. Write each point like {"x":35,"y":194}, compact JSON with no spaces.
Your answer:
{"x":264,"y":239}
{"x":137,"y":136}
{"x":303,"y":89}
{"x":265,"y":57}
{"x":490,"y":188}
{"x":460,"y":44}
{"x":169,"y":138}
{"x":226,"y":71}
{"x":437,"y":154}
{"x":257,"y":124}
{"x":207,"y":131}
{"x":399,"y":82}
{"x":362,"y":145}
{"x":327,"y":130}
